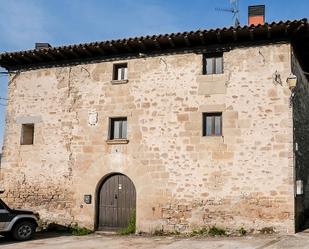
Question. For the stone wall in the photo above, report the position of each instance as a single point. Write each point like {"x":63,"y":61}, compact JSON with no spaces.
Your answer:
{"x":183,"y":180}
{"x":301,"y":138}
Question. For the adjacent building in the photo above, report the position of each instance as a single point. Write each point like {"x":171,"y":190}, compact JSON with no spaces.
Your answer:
{"x":187,"y":129}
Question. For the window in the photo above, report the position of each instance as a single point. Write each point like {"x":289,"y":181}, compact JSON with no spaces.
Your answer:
{"x":118,"y":128}
{"x":27,"y":134}
{"x":120,"y":71}
{"x":213,"y":63}
{"x":212,"y":124}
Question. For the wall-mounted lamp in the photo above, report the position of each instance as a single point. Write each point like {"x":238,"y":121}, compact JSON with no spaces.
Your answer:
{"x":292,"y":80}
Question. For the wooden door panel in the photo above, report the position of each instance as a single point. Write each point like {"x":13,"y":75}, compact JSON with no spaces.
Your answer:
{"x":117,"y":199}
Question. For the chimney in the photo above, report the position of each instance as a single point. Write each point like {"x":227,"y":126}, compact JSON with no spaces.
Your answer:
{"x":41,"y":45}
{"x":256,"y":14}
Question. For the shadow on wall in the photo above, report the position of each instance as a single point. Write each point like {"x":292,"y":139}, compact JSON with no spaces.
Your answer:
{"x":301,"y":144}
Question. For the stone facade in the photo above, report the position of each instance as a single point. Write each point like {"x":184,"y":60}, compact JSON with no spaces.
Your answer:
{"x":183,"y":180}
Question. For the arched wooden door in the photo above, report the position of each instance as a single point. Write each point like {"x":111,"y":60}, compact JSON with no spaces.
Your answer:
{"x":117,"y":201}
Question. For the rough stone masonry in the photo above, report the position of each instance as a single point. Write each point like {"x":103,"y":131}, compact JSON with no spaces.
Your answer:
{"x":183,"y":180}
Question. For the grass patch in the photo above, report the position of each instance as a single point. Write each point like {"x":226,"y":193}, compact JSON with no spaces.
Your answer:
{"x":242,"y":231}
{"x":79,"y":231}
{"x":267,"y":230}
{"x":130,"y":229}
{"x":159,"y":232}
{"x":215,"y":231}
{"x":198,"y":232}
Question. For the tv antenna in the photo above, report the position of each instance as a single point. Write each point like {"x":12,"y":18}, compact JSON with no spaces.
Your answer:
{"x":234,"y":9}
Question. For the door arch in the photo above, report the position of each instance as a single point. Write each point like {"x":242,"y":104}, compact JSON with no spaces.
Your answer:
{"x":116,"y":201}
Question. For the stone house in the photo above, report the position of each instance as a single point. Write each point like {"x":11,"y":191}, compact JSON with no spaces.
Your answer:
{"x":188,"y":129}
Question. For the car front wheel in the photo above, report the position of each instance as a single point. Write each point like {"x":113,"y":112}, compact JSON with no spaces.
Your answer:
{"x":23,"y":230}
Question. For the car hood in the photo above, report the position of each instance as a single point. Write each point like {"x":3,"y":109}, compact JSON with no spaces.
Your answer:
{"x":21,"y":211}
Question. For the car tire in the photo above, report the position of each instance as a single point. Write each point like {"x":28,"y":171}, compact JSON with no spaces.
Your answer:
{"x":23,"y":230}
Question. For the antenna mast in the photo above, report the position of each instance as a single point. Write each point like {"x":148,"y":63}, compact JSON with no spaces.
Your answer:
{"x":234,"y":9}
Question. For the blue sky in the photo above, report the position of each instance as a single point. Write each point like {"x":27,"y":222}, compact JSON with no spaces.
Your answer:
{"x":59,"y":22}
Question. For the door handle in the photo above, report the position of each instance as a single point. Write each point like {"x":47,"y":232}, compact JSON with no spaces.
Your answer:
{"x":116,"y":197}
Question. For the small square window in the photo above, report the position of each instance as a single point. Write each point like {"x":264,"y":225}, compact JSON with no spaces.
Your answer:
{"x":212,"y":124}
{"x":27,"y":134}
{"x":118,"y":128}
{"x":120,"y":71}
{"x":213,"y":63}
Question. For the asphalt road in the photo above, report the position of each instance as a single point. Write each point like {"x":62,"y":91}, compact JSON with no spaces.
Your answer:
{"x":97,"y":241}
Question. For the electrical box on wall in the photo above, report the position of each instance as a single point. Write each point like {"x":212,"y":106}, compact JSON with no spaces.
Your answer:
{"x":87,"y":199}
{"x":299,"y":187}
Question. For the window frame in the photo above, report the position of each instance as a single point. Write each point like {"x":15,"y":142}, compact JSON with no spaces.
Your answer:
{"x":22,"y":135}
{"x":214,"y":57}
{"x":116,"y":67}
{"x":213,"y":116}
{"x":111,"y":129}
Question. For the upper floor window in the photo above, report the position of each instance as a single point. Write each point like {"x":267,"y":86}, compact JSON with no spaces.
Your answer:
{"x":120,"y":71}
{"x":118,"y":128}
{"x":212,"y":124}
{"x":213,"y":63}
{"x":27,"y":134}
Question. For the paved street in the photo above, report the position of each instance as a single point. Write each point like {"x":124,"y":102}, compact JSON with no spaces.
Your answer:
{"x":96,"y":241}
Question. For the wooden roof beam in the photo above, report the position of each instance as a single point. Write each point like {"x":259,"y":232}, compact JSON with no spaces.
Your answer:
{"x":58,"y":54}
{"x":171,"y":42}
{"x":100,"y":50}
{"x":157,"y":44}
{"x":113,"y":48}
{"x":49,"y":56}
{"x":86,"y":51}
{"x":218,"y":35}
{"x":74,"y":53}
{"x":234,"y":35}
{"x":14,"y":59}
{"x":251,"y":34}
{"x":202,"y":39}
{"x":268,"y":32}
{"x":36,"y":57}
{"x":128,"y":47}
{"x":141,"y":45}
{"x":25,"y":58}
{"x":187,"y":41}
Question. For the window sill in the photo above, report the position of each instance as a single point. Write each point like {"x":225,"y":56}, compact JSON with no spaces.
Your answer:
{"x":213,"y":139}
{"x":117,"y":141}
{"x":202,"y":78}
{"x":118,"y":82}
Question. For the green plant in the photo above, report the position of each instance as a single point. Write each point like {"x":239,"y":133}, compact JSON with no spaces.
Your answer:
{"x":159,"y":232}
{"x":242,"y":231}
{"x":131,"y":226}
{"x":267,"y":230}
{"x":198,"y":232}
{"x":79,"y":231}
{"x":214,"y":231}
